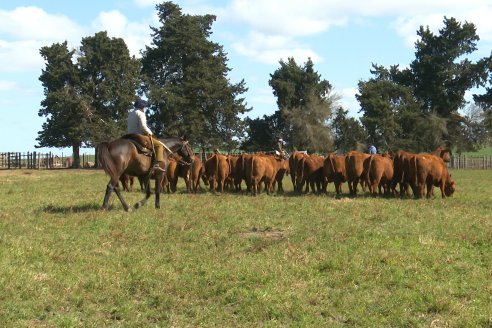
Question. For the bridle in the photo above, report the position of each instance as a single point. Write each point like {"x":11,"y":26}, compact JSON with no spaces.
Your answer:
{"x":185,"y":148}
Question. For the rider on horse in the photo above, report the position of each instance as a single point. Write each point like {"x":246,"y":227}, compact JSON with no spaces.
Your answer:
{"x":137,"y":124}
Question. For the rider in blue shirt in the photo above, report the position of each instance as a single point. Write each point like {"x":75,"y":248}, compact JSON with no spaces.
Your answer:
{"x":372,"y":149}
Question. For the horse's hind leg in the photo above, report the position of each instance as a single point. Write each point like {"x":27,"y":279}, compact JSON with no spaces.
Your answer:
{"x":120,"y":196}
{"x":113,"y":186}
{"x":109,"y":190}
{"x":142,"y":202}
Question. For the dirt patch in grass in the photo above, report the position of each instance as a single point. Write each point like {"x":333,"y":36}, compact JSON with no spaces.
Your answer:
{"x":268,"y":233}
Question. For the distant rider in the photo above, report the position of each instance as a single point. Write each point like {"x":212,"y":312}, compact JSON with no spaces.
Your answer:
{"x":372,"y":149}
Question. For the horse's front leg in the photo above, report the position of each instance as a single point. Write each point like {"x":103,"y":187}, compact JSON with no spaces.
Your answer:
{"x":146,"y":182}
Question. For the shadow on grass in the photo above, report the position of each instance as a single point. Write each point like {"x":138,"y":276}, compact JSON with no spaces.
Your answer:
{"x":72,"y":209}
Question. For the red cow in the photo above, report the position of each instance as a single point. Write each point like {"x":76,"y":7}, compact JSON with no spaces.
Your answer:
{"x":232,"y":160}
{"x":263,"y":168}
{"x":354,"y":166}
{"x":196,"y":172}
{"x":217,"y":170}
{"x":405,"y":175}
{"x":240,"y":172}
{"x":432,"y":171}
{"x":334,"y":171}
{"x":294,"y":159}
{"x":310,"y":172}
{"x":379,"y":173}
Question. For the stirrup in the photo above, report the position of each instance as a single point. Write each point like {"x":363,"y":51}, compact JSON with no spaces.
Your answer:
{"x":157,"y":168}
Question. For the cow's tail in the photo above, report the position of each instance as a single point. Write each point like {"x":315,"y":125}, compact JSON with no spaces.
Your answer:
{"x":105,"y":160}
{"x":415,"y":178}
{"x":217,"y":168}
{"x":368,"y":170}
{"x":332,"y":166}
{"x":229,"y":162}
{"x":251,"y":174}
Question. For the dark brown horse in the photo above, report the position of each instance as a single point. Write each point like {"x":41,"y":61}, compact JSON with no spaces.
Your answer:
{"x":121,"y":156}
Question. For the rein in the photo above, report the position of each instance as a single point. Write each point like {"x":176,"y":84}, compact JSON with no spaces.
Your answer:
{"x":181,"y":161}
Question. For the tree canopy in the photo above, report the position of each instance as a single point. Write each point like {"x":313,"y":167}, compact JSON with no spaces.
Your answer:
{"x":86,"y":101}
{"x":305,"y":103}
{"x":186,"y":81}
{"x":418,"y":108}
{"x":184,"y":74}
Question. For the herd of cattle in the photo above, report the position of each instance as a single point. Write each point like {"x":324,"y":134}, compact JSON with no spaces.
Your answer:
{"x":381,"y":174}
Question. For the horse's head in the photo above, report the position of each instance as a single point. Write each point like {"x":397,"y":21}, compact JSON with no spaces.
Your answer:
{"x":180,"y":146}
{"x":185,"y":151}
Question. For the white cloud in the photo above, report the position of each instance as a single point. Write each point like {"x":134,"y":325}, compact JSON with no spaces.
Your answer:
{"x":33,"y":23}
{"x":270,"y":49}
{"x":135,"y":34}
{"x":24,"y":30}
{"x":292,"y":19}
{"x":8,"y":85}
{"x":348,"y":100}
{"x":283,"y":17}
{"x":407,"y":27}
{"x":20,"y":55}
{"x":146,"y":3}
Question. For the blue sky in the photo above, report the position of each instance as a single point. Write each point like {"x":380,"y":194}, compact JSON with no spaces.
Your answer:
{"x":343,"y":38}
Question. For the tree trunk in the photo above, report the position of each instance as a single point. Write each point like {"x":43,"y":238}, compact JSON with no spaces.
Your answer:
{"x":76,"y":157}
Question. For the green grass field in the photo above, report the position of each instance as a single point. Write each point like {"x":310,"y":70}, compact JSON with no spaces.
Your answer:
{"x":485,"y":151}
{"x":239,"y":261}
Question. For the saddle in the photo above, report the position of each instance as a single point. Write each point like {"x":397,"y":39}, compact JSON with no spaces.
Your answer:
{"x":142,"y":143}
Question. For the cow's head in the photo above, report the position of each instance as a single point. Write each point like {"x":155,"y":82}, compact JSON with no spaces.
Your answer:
{"x":449,"y":187}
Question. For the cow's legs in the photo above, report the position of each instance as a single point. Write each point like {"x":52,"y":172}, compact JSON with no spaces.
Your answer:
{"x":354,"y":188}
{"x":430,"y":191}
{"x":442,"y":185}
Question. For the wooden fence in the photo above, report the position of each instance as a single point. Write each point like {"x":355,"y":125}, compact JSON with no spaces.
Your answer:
{"x":471,"y":162}
{"x":37,"y":160}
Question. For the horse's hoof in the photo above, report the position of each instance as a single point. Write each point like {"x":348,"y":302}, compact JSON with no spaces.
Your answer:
{"x":128,"y":209}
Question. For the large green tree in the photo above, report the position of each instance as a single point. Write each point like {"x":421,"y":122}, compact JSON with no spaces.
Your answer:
{"x":424,"y":112}
{"x":484,"y":101}
{"x":261,"y":134}
{"x":348,"y":132}
{"x":187,"y":84}
{"x":305,"y":102}
{"x":109,"y":79}
{"x":390,"y":113}
{"x":66,"y":117}
{"x":87,"y":93}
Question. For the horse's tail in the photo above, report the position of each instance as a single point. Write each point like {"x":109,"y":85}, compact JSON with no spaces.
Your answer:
{"x":105,"y":160}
